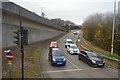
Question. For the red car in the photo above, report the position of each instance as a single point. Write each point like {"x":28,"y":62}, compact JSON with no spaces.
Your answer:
{"x":53,"y":45}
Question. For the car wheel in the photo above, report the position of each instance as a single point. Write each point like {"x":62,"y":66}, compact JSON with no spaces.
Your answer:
{"x":90,"y":64}
{"x":103,"y":66}
{"x":65,"y":46}
{"x":69,"y":53}
{"x":64,"y":64}
{"x":52,"y":64}
{"x":79,"y":57}
{"x":48,"y":58}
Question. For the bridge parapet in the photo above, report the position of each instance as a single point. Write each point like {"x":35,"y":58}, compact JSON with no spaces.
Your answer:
{"x":12,"y":8}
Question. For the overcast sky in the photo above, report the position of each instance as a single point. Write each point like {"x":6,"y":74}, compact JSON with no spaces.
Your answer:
{"x":73,"y":10}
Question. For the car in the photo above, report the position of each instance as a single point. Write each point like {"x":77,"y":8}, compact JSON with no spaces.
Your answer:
{"x":73,"y":49}
{"x":91,"y":58}
{"x":57,"y":57}
{"x":75,"y":33}
{"x":53,"y":44}
{"x":67,"y":42}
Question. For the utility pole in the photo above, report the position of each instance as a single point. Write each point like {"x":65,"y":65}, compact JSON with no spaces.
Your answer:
{"x":113,"y":29}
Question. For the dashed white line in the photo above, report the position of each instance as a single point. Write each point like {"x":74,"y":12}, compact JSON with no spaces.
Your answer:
{"x":73,"y":64}
{"x":69,"y":60}
{"x":63,"y":37}
{"x":113,"y":69}
{"x":62,"y":70}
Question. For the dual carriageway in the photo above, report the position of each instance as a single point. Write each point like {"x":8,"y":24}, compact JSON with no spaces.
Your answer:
{"x":74,"y":67}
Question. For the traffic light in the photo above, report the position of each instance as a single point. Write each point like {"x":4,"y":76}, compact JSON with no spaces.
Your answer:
{"x":25,"y":37}
{"x":117,"y":37}
{"x":17,"y":37}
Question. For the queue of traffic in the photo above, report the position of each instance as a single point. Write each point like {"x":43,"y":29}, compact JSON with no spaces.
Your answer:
{"x":57,"y":57}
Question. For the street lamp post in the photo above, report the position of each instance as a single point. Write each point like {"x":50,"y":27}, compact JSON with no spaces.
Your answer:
{"x":113,"y":29}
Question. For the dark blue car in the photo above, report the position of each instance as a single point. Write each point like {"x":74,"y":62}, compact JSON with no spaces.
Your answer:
{"x":57,"y":57}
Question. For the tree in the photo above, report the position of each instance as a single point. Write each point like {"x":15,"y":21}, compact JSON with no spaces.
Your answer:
{"x":98,"y":29}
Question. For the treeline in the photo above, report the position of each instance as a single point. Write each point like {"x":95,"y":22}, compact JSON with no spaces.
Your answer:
{"x":97,"y":29}
{"x":68,"y":25}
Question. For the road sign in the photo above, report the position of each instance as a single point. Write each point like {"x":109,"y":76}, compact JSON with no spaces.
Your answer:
{"x":9,"y":56}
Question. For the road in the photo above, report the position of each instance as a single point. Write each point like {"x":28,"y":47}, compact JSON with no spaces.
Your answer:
{"x":74,"y":67}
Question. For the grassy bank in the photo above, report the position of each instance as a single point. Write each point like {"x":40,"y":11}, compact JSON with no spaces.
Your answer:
{"x":99,"y":50}
{"x":32,"y":53}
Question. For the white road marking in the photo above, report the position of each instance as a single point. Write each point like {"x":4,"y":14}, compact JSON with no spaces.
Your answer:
{"x":113,"y":69}
{"x":63,"y":37}
{"x":69,"y":60}
{"x":62,"y":70}
{"x":73,"y":64}
{"x":108,"y":68}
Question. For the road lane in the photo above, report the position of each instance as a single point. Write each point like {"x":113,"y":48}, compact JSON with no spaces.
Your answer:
{"x":74,"y":67}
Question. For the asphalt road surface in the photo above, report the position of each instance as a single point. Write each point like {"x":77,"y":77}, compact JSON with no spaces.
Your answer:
{"x":74,"y":68}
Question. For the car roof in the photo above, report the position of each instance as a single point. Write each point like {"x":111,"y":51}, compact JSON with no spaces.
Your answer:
{"x":90,"y":52}
{"x":72,"y":44}
{"x":68,"y":39}
{"x":57,"y":52}
{"x":53,"y":43}
{"x":55,"y":49}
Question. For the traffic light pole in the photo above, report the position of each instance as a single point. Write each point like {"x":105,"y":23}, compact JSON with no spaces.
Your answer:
{"x":22,"y":46}
{"x":10,"y":70}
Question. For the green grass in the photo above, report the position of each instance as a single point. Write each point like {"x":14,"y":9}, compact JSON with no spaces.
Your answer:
{"x":31,"y":64}
{"x":33,"y":68}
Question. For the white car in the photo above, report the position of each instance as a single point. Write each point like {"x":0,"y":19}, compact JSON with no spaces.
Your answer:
{"x":68,"y":42}
{"x":73,"y":49}
{"x":75,"y":33}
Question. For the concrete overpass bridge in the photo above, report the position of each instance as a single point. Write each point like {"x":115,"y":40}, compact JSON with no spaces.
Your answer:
{"x":38,"y":27}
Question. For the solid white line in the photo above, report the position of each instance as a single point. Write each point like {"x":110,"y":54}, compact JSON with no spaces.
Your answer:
{"x":73,"y":64}
{"x":95,"y":68}
{"x":61,"y":71}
